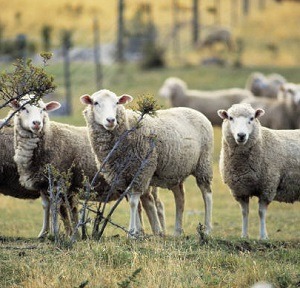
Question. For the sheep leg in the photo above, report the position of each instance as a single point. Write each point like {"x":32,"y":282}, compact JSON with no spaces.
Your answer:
{"x":134,"y":199}
{"x":262,"y":212}
{"x":244,"y":203}
{"x":160,"y":209}
{"x":150,"y":208}
{"x":46,"y":218}
{"x":207,"y":198}
{"x":139,"y":219}
{"x":178,"y":192}
{"x":65,"y":218}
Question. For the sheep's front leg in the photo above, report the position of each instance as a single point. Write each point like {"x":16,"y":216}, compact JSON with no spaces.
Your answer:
{"x":245,"y":215}
{"x":46,"y":214}
{"x":134,"y":199}
{"x":150,"y":208}
{"x":178,"y":192}
{"x":160,"y":209}
{"x":262,"y":212}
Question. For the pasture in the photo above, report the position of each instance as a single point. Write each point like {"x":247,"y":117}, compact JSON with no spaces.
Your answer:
{"x":224,"y":260}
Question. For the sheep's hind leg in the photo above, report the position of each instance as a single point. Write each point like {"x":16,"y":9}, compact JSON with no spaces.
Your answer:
{"x":178,"y":192}
{"x":46,"y":215}
{"x":262,"y":211}
{"x":207,"y":198}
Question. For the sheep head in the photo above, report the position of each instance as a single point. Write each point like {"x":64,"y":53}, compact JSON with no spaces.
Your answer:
{"x":104,"y":105}
{"x":32,"y":113}
{"x":241,"y":121}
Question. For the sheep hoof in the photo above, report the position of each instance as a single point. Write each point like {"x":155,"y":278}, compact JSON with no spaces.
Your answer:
{"x":264,"y":237}
{"x":43,"y":234}
{"x":178,"y":232}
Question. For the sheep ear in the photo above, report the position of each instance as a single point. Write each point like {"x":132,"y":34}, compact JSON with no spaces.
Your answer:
{"x":124,"y":99}
{"x":53,"y":105}
{"x":259,"y":112}
{"x":86,"y":99}
{"x":223,"y":114}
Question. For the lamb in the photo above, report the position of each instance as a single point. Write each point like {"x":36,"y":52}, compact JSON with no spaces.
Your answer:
{"x":39,"y":141}
{"x":258,"y":161}
{"x":283,"y":112}
{"x":183,"y":146}
{"x":9,"y":178}
{"x":265,"y":86}
{"x":207,"y":102}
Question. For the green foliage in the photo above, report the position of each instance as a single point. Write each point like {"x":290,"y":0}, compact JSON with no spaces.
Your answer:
{"x":147,"y":105}
{"x":26,"y":78}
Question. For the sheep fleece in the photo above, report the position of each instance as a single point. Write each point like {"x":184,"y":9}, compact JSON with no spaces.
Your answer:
{"x":183,"y":145}
{"x":267,"y":166}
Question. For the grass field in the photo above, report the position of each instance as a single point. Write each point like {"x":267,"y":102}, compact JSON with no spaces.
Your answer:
{"x":224,"y":261}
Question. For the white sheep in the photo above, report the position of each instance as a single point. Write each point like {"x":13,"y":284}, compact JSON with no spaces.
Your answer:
{"x":39,"y":141}
{"x":183,"y":147}
{"x":207,"y":102}
{"x":283,"y":112}
{"x":9,"y":178}
{"x":258,"y":161}
{"x":218,"y":35}
{"x":265,"y":86}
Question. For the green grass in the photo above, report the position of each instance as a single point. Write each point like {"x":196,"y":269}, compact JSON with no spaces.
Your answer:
{"x":224,"y":261}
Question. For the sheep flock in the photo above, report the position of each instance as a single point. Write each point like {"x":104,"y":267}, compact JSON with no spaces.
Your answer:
{"x":136,"y":154}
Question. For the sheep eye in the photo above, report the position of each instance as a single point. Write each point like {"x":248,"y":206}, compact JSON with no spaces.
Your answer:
{"x":230,"y":118}
{"x":96,"y":103}
{"x":252,"y":118}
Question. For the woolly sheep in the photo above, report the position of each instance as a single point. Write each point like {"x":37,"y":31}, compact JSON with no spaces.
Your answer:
{"x":281,"y":113}
{"x":218,"y":35}
{"x":9,"y":178}
{"x":264,"y":86}
{"x":183,"y":147}
{"x":39,"y":141}
{"x":258,"y":161}
{"x":207,"y":102}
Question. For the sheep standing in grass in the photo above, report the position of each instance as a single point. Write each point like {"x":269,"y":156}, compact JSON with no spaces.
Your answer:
{"x":9,"y":177}
{"x":207,"y":102}
{"x":39,"y":141}
{"x":183,"y":147}
{"x":257,"y":161}
{"x":265,"y":86}
{"x":281,"y":113}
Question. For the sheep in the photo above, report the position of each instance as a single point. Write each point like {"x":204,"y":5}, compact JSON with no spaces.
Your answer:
{"x":183,"y":147}
{"x":207,"y":102}
{"x":265,"y":86}
{"x":9,"y":178}
{"x":258,"y":161}
{"x":218,"y":35}
{"x":281,"y":113}
{"x":39,"y":141}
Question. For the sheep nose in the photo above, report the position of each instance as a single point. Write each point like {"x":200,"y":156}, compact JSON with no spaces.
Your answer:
{"x":110,"y":120}
{"x":241,"y":136}
{"x":36,"y":123}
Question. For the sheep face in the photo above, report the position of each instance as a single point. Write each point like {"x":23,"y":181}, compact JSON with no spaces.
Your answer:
{"x":32,"y":115}
{"x":241,"y":121}
{"x":104,"y":105}
{"x":290,"y":91}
